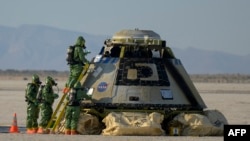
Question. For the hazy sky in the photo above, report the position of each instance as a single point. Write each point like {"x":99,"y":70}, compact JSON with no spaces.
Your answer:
{"x":220,"y":25}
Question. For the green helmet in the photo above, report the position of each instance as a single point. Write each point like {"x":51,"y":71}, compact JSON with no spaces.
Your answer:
{"x":80,"y":42}
{"x":50,"y":80}
{"x":35,"y":79}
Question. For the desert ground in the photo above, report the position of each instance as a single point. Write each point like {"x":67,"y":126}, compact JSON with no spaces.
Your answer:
{"x":231,"y":99}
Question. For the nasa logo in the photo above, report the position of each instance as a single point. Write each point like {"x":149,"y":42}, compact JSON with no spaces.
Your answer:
{"x":102,"y":87}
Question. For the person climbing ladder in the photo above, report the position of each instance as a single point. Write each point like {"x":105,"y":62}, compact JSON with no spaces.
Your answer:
{"x":76,"y":58}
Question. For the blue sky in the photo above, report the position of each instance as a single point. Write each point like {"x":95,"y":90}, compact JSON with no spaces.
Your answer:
{"x":219,"y":25}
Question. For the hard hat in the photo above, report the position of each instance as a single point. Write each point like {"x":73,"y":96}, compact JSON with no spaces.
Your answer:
{"x":81,"y":38}
{"x":50,"y":80}
{"x":35,"y":79}
{"x":80,"y":42}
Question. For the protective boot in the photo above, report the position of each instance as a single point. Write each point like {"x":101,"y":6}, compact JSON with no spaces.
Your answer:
{"x":66,"y":90}
{"x":74,"y":132}
{"x":67,"y":132}
{"x":40,"y":130}
{"x":30,"y":131}
{"x":35,"y":130}
{"x":46,"y":131}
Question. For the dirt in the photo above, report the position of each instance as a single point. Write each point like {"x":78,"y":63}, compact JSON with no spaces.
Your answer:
{"x":232,"y":99}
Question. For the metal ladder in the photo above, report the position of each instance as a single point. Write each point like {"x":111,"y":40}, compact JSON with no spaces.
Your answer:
{"x":59,"y":112}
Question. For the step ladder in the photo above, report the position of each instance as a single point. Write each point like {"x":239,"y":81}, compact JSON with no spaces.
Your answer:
{"x":59,"y":112}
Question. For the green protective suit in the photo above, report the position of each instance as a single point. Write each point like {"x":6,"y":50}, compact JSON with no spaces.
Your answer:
{"x":32,"y":105}
{"x":73,"y":108}
{"x":48,"y":97}
{"x":79,"y":56}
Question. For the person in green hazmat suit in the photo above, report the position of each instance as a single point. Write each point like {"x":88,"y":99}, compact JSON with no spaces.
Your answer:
{"x":72,"y":112}
{"x":76,"y":63}
{"x":32,"y":104}
{"x":46,"y":102}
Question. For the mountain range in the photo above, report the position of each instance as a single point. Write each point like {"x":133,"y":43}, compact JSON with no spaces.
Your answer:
{"x":38,"y":47}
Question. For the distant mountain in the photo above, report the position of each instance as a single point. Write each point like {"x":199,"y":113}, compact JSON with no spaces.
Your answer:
{"x":40,"y":47}
{"x":36,"y":47}
{"x":197,"y":61}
